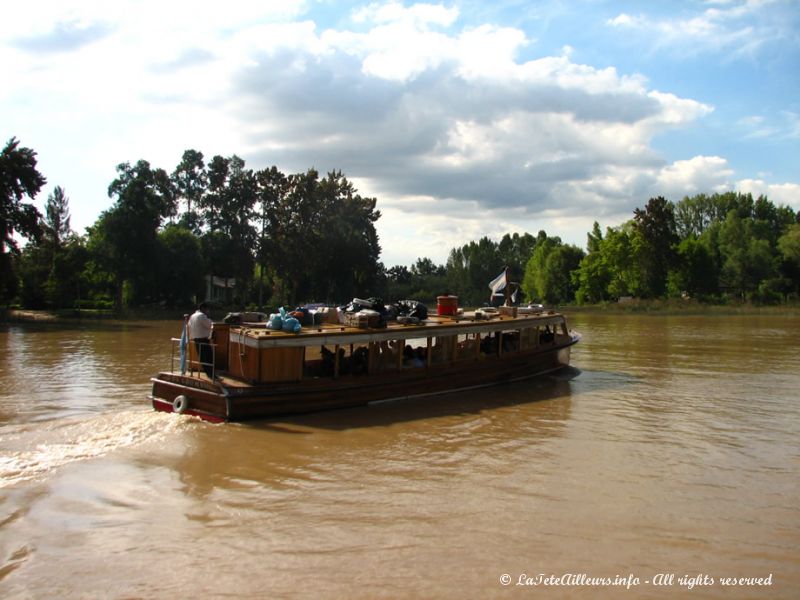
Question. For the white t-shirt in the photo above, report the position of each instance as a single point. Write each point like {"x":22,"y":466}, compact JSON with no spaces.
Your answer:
{"x":200,"y":325}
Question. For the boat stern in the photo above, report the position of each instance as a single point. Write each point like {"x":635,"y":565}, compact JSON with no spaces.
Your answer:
{"x":189,"y":396}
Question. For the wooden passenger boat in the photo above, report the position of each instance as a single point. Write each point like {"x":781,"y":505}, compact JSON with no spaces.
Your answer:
{"x":260,"y":372}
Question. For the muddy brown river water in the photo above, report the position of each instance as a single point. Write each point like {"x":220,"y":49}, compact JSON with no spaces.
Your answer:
{"x":665,"y":464}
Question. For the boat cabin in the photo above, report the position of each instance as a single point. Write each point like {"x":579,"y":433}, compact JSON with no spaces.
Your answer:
{"x":258,"y":355}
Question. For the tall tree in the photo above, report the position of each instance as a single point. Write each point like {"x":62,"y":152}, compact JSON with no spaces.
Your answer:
{"x":57,"y":234}
{"x":789,"y":247}
{"x":213,"y":202}
{"x":549,"y":273}
{"x":471,"y":267}
{"x":272,"y":189}
{"x":18,"y":179}
{"x":620,"y":252}
{"x":747,"y":259}
{"x":351,"y":240}
{"x":57,"y":218}
{"x":228,"y":209}
{"x":322,"y":239}
{"x":655,"y":225}
{"x":695,"y":272}
{"x":592,"y":277}
{"x":124,"y":239}
{"x":180,"y":269}
{"x":398,"y":283}
{"x":190,"y":180}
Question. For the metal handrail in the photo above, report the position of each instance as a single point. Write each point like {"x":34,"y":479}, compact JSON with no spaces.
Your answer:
{"x":193,"y":366}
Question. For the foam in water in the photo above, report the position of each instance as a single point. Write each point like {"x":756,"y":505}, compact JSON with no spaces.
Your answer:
{"x":33,"y":450}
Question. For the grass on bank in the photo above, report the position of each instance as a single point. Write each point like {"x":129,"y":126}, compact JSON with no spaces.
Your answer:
{"x":679,"y":306}
{"x":673,"y":306}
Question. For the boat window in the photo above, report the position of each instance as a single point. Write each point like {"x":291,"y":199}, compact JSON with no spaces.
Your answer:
{"x":385,"y":355}
{"x":442,"y":349}
{"x":489,"y":344}
{"x":468,"y":346}
{"x":528,"y":338}
{"x":547,"y":335}
{"x":414,"y":356}
{"x":510,"y":341}
{"x":318,"y":361}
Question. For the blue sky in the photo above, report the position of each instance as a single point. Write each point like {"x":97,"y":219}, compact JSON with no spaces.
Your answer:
{"x":463,"y":118}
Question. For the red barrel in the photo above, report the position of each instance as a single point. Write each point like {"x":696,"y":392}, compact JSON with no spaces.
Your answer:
{"x":446,"y":305}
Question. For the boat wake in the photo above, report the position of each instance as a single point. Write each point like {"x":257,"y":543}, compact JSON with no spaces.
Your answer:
{"x":31,"y":451}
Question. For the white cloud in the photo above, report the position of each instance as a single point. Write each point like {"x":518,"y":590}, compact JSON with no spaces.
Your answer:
{"x":698,"y":174}
{"x":778,"y":193}
{"x":738,"y":28}
{"x":418,"y":15}
{"x":460,"y":131}
{"x":785,"y":126}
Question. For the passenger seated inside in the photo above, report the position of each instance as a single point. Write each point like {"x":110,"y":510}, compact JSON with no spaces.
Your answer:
{"x":388,"y":356}
{"x":510,"y":342}
{"x":360,"y":361}
{"x":328,"y":364}
{"x":488,"y":345}
{"x":348,"y":365}
{"x":412,"y":358}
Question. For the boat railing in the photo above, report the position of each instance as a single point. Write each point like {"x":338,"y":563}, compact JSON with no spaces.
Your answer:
{"x":185,"y":360}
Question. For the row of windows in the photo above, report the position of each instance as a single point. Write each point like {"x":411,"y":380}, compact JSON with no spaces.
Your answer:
{"x":378,"y":357}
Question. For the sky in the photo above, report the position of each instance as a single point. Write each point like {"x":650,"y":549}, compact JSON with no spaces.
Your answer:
{"x":464,"y":119}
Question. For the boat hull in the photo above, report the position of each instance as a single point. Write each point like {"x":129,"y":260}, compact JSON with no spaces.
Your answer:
{"x":228,"y":401}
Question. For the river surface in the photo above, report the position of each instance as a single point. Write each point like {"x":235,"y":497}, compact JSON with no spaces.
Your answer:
{"x":667,"y":459}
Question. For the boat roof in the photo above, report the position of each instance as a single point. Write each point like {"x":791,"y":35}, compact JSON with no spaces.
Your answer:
{"x":258,"y":335}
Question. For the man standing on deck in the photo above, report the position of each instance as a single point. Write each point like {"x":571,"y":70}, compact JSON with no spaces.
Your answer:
{"x":200,"y":329}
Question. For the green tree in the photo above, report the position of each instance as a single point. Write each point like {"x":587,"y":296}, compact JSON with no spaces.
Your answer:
{"x":33,"y":269}
{"x":272,"y":189}
{"x":789,"y":248}
{"x":620,"y":251}
{"x":71,"y":269}
{"x":695,"y":272}
{"x":123,"y":241}
{"x":693,"y":215}
{"x":747,"y":260}
{"x":229,"y":211}
{"x":592,"y":276}
{"x":295,"y":228}
{"x":18,"y":179}
{"x":428,"y":280}
{"x":351,"y":241}
{"x":215,"y":200}
{"x":57,"y":233}
{"x":190,"y":181}
{"x":180,"y":267}
{"x":549,"y":273}
{"x":471,"y":267}
{"x":398,"y":283}
{"x":515,"y":250}
{"x":57,"y":219}
{"x":656,"y":227}
{"x":322,"y":240}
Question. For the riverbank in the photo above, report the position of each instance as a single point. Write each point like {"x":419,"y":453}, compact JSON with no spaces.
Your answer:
{"x":653,"y":307}
{"x":681,"y":307}
{"x":65,"y":315}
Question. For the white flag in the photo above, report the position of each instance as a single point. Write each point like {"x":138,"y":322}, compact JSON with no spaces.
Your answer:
{"x":499,"y":283}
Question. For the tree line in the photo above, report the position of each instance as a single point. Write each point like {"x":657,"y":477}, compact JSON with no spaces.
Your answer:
{"x":303,"y":237}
